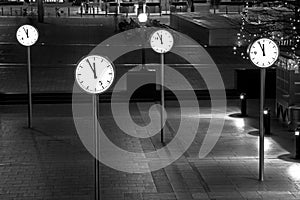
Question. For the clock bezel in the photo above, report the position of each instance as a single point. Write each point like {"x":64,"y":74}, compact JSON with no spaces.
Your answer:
{"x":167,"y":32}
{"x":91,"y":55}
{"x":250,"y":47}
{"x":38,"y":34}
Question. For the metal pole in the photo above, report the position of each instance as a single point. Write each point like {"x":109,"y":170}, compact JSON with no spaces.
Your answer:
{"x":192,"y":6}
{"x":40,"y":7}
{"x":29,"y":89}
{"x":261,"y":124}
{"x":100,"y":5}
{"x":97,"y":164}
{"x":162,"y":97}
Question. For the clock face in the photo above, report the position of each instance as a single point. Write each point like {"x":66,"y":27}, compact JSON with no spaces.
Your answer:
{"x":263,"y":52}
{"x":27,"y":35}
{"x":161,"y":41}
{"x":95,"y":74}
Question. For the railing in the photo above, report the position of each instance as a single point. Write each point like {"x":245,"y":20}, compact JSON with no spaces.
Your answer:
{"x":229,"y":7}
{"x":69,"y":11}
{"x":32,"y":11}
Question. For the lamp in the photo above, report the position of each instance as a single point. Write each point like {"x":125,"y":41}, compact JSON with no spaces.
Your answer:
{"x":297,"y":143}
{"x":243,"y":104}
{"x":267,"y":121}
{"x":142,"y":17}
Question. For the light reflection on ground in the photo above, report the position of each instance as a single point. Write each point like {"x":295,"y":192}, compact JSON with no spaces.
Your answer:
{"x":294,"y":171}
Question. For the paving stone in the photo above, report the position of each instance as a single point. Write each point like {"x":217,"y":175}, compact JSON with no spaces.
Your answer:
{"x":49,"y":162}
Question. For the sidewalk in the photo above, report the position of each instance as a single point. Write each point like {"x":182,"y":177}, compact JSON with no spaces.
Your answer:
{"x":50,"y":162}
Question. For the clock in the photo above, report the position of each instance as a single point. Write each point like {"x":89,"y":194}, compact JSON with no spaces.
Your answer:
{"x":95,"y":74}
{"x":27,"y":35}
{"x":161,"y":41}
{"x":263,"y":52}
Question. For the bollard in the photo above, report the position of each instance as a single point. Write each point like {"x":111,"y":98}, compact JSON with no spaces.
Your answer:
{"x":297,"y":143}
{"x":11,"y":13}
{"x":2,"y":11}
{"x":81,"y":10}
{"x":226,"y":10}
{"x":243,"y":104}
{"x":68,"y":11}
{"x":267,"y":121}
{"x":93,"y":11}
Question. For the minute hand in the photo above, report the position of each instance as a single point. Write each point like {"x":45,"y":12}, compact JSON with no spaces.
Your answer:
{"x":93,"y":69}
{"x":160,"y":37}
{"x":262,"y":48}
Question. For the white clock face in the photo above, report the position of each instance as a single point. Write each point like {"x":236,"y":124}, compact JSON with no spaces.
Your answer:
{"x":27,"y":35}
{"x":95,"y":74}
{"x":161,"y":41}
{"x":263,"y":52}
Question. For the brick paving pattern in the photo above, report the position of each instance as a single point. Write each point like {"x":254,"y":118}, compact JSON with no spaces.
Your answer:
{"x":49,"y":161}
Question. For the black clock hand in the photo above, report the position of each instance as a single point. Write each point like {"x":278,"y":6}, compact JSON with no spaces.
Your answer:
{"x":93,"y":69}
{"x":160,"y":37}
{"x":95,"y":73}
{"x":262,"y":48}
{"x":26,"y":31}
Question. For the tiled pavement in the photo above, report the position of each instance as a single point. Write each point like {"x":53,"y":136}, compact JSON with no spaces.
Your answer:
{"x":50,"y":162}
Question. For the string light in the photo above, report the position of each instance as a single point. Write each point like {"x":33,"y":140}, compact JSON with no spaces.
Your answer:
{"x":287,"y":35}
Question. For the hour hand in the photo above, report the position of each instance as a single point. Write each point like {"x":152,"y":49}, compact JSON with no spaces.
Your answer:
{"x":262,"y":48}
{"x":160,"y":37}
{"x":26,"y":31}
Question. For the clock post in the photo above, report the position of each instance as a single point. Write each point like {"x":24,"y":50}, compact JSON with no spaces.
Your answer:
{"x":29,"y":88}
{"x":162,"y":75}
{"x":97,"y":146}
{"x":94,"y":75}
{"x":263,"y":53}
{"x":261,"y":124}
{"x":161,"y":42}
{"x":27,"y":36}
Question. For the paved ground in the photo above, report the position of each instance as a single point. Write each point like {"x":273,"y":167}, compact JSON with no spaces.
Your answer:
{"x":50,"y":162}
